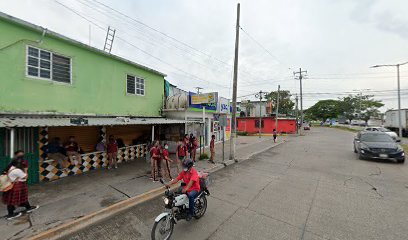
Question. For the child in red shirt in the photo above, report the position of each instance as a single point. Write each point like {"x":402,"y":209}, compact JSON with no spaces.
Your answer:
{"x":166,"y":162}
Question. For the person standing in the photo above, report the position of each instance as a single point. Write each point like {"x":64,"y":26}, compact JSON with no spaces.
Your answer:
{"x":166,"y":162}
{"x":18,"y":194}
{"x":72,"y":149}
{"x":194,"y":150}
{"x":155,"y":158}
{"x":20,"y":155}
{"x":212,"y":148}
{"x":112,"y":150}
{"x":275,"y":134}
{"x":181,"y":153}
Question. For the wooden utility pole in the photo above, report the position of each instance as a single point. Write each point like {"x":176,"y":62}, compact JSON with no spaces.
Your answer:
{"x":277,"y":110}
{"x":301,"y":97}
{"x":234,"y":91}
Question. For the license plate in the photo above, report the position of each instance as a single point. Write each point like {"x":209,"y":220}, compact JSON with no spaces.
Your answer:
{"x":383,"y":156}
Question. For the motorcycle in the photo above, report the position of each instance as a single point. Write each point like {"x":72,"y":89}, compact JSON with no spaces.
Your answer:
{"x":176,"y":208}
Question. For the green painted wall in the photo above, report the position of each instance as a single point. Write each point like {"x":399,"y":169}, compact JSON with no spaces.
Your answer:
{"x":98,"y":81}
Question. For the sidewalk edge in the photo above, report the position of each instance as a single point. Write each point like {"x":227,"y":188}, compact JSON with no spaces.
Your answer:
{"x":69,"y":228}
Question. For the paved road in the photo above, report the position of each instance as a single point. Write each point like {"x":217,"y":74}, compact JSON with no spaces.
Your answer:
{"x":312,"y":187}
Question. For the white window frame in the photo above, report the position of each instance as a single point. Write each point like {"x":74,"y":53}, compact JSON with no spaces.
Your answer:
{"x":136,"y":77}
{"x":51,"y":60}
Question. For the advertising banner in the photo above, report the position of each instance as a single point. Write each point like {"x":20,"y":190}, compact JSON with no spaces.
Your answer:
{"x":204,"y":98}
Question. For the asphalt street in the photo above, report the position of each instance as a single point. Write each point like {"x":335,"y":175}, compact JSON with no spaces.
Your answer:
{"x":311,"y":187}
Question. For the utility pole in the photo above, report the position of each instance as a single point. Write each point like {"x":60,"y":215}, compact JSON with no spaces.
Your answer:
{"x":297,"y":112}
{"x":301,"y":96}
{"x":277,"y":110}
{"x":234,"y":91}
{"x":198,"y":89}
{"x":260,"y":95}
{"x":399,"y":92}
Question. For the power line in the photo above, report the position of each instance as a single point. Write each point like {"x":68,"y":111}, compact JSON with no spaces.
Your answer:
{"x":260,"y":45}
{"x":131,"y":44}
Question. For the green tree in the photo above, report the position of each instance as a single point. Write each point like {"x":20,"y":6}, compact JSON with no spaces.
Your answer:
{"x":285,"y":103}
{"x":323,"y":110}
{"x":360,"y":106}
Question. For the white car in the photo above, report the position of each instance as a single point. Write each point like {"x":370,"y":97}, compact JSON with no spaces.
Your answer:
{"x":384,"y":130}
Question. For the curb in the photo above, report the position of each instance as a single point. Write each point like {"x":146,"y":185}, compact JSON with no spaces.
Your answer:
{"x":69,"y":228}
{"x":261,"y":151}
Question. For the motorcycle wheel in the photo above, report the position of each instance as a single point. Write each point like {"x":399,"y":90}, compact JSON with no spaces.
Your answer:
{"x":163,"y":229}
{"x":200,"y":207}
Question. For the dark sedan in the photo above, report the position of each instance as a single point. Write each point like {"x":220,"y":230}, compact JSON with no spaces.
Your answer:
{"x":378,"y":145}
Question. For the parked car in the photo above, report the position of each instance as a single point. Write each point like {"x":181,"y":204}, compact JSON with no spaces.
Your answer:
{"x":306,"y":126}
{"x":384,"y":130}
{"x":378,"y":145}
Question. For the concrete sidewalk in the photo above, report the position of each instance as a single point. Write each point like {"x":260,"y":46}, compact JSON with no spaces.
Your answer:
{"x":73,"y":197}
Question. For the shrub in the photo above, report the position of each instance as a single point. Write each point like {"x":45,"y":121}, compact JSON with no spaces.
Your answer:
{"x":203,"y":156}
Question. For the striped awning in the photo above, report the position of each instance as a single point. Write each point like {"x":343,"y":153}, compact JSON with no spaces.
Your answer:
{"x":83,"y":121}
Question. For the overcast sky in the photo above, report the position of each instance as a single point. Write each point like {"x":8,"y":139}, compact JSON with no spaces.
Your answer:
{"x":193,"y":41}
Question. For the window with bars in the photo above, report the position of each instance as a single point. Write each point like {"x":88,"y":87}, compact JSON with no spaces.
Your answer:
{"x":48,"y":65}
{"x":135,"y":85}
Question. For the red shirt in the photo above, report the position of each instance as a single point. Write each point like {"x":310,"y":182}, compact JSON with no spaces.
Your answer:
{"x":190,"y":176}
{"x":112,"y":147}
{"x":182,"y":150}
{"x":155,"y":151}
{"x":166,"y":154}
{"x":212,"y":143}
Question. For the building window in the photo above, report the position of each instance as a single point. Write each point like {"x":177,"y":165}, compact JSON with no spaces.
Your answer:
{"x":47,"y":65}
{"x":135,"y":85}
{"x":257,"y":124}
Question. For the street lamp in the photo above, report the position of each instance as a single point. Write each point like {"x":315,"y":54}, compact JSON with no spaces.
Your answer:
{"x":260,"y":95}
{"x":399,"y":91}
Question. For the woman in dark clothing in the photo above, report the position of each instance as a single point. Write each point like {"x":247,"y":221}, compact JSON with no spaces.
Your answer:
{"x":18,"y":195}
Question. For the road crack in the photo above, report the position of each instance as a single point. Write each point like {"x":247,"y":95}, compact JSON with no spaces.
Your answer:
{"x":119,"y":191}
{"x":345,"y":181}
{"x":310,"y":210}
{"x":372,"y":187}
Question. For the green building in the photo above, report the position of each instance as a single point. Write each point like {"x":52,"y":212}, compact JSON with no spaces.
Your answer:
{"x":53,"y":87}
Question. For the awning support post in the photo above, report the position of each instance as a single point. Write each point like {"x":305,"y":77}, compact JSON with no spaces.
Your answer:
{"x":152,"y":133}
{"x":12,"y":140}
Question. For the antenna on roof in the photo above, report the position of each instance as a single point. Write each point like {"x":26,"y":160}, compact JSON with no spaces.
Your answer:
{"x":110,"y":36}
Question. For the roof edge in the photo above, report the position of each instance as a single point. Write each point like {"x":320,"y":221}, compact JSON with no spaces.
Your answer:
{"x":35,"y":27}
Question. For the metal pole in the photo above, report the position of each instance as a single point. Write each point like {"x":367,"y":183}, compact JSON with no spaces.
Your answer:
{"x":234,"y":90}
{"x":260,"y":114}
{"x":12,"y":141}
{"x":223,"y":144}
{"x":152,"y":133}
{"x":301,"y":101}
{"x":204,"y":134}
{"x":399,"y":102}
{"x":297,"y":117}
{"x":277,"y":110}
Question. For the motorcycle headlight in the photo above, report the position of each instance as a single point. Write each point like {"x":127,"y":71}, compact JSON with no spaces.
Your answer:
{"x":166,"y":201}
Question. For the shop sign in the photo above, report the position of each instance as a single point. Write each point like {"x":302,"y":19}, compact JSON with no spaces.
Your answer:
{"x":223,"y":120}
{"x":204,"y":98}
{"x":223,"y":105}
{"x":79,"y":121}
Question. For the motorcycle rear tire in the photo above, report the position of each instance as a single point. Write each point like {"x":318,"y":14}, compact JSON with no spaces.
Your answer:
{"x":156,"y":224}
{"x":202,"y":207}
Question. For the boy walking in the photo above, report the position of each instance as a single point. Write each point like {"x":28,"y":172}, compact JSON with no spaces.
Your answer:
{"x":212,"y":149}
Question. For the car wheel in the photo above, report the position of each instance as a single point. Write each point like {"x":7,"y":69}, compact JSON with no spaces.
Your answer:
{"x":361,"y":157}
{"x":401,"y":161}
{"x":355,"y":150}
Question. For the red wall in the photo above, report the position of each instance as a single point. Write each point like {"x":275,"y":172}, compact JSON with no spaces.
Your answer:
{"x":247,"y":124}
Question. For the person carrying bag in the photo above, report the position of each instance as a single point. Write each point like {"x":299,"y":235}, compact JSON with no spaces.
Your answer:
{"x":17,"y":194}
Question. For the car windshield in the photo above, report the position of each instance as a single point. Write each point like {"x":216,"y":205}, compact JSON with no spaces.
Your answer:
{"x":376,"y":138}
{"x":383,"y":129}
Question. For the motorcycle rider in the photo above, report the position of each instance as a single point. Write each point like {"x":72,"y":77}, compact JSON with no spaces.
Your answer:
{"x":190,"y":177}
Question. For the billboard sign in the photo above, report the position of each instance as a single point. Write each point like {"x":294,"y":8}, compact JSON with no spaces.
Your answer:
{"x":204,"y":98}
